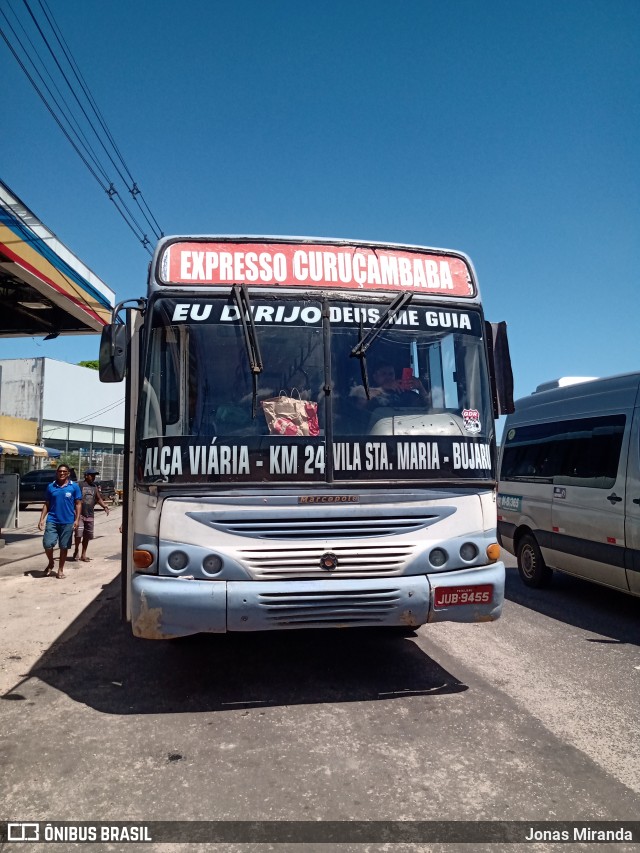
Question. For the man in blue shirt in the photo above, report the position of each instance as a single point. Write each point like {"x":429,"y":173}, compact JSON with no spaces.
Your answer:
{"x":62,"y":506}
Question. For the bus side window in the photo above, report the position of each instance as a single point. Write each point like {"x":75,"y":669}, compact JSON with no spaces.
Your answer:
{"x":161,"y":391}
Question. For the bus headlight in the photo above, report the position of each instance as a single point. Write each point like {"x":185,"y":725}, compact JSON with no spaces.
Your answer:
{"x":469,"y":551}
{"x":177,"y":561}
{"x":212,"y":564}
{"x":438,"y":557}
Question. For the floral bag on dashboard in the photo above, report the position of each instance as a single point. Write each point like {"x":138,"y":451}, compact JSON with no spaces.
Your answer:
{"x":291,"y":415}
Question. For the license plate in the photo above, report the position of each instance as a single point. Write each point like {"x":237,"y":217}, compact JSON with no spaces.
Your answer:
{"x":448,"y":596}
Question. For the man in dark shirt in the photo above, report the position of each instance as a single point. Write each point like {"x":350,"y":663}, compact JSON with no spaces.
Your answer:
{"x":90,"y":497}
{"x":386,"y":390}
{"x":62,"y":506}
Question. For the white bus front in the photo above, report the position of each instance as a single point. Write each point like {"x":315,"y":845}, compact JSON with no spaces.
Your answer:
{"x":385,"y":517}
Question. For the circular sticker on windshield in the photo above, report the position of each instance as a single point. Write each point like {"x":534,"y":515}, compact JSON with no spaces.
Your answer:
{"x":511,"y":435}
{"x":471,"y":418}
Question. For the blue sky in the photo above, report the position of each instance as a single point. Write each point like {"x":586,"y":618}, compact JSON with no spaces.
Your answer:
{"x":507,"y":129}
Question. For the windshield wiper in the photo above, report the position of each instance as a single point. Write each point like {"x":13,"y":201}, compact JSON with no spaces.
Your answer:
{"x":360,"y":349}
{"x":241,"y":297}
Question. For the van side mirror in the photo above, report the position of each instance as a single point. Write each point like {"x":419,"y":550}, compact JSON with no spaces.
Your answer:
{"x":113,"y":353}
{"x":500,"y":369}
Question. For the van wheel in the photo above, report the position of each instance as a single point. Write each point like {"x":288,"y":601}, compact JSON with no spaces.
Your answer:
{"x":531,"y":565}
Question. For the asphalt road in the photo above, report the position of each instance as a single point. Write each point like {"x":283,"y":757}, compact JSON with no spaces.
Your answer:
{"x":534,"y":717}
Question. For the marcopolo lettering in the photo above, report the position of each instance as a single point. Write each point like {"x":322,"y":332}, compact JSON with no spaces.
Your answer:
{"x":328,"y":499}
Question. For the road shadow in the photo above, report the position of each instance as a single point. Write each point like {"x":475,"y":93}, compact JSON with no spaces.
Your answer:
{"x":41,"y":573}
{"x":612,"y":614}
{"x":99,"y":663}
{"x":11,"y":538}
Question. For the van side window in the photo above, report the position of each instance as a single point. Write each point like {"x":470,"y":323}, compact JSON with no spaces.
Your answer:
{"x":578,"y":452}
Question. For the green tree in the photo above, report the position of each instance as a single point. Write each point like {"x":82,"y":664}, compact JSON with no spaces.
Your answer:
{"x":92,"y":364}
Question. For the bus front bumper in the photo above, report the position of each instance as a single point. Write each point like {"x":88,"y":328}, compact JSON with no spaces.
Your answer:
{"x":163,"y":608}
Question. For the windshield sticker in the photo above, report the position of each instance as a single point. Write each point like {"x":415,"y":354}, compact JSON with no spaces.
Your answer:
{"x":471,"y":419}
{"x":293,"y":313}
{"x":270,"y":458}
{"x":314,"y":265}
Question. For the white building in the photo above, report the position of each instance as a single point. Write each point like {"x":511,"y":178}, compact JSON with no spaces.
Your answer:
{"x":63,"y":407}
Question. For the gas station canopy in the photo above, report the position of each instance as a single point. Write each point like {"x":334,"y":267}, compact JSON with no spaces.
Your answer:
{"x":44,"y":288}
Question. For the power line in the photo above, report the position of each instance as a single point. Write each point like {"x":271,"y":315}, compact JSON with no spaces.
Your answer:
{"x":44,"y":100}
{"x":81,"y":137}
{"x":134,"y":189}
{"x":77,"y":99}
{"x":95,"y":414}
{"x":60,"y":123}
{"x":100,"y":412}
{"x":70,"y":121}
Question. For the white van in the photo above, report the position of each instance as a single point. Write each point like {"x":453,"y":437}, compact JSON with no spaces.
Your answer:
{"x":569,"y":493}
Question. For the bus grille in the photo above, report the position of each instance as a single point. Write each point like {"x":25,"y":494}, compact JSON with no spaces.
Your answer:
{"x":362,"y":607}
{"x":345,"y":527}
{"x":302,"y":562}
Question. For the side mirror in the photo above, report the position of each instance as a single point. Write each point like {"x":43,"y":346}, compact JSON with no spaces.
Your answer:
{"x":500,"y":369}
{"x":113,"y":353}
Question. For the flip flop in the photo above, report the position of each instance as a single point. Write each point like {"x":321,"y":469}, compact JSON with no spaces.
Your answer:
{"x":85,"y":559}
{"x":61,"y":577}
{"x":48,"y":571}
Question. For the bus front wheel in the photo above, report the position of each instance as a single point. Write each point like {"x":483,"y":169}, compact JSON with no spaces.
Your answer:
{"x":531,"y":565}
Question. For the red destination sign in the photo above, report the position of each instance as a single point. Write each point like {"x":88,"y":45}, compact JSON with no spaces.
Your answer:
{"x":315,"y":265}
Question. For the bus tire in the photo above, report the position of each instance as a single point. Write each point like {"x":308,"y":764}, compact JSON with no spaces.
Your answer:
{"x":533,"y":570}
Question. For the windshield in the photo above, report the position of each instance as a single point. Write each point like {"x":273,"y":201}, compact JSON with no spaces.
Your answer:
{"x":416,"y":406}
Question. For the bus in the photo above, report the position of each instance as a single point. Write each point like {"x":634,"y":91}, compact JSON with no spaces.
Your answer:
{"x":310,"y":436}
{"x":569,"y":494}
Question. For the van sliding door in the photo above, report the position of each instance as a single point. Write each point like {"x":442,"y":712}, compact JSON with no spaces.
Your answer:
{"x":589,"y":493}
